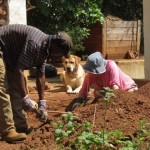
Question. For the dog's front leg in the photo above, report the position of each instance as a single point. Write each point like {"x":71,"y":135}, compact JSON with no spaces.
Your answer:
{"x":77,"y":90}
{"x":69,"y":89}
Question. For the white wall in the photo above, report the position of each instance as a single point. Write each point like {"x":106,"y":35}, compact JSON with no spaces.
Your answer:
{"x":146,"y":14}
{"x":17,"y":12}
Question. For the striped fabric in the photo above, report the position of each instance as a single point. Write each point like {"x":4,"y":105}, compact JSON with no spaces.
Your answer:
{"x":25,"y":46}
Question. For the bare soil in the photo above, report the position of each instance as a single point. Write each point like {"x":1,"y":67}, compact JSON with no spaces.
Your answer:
{"x":124,"y":113}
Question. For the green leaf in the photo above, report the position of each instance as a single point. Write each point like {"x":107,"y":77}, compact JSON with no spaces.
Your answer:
{"x":58,"y":131}
{"x":64,"y":134}
{"x":81,"y":138}
{"x":88,"y":141}
{"x":57,"y":139}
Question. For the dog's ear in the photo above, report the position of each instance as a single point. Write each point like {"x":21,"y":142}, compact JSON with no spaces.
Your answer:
{"x":78,"y":59}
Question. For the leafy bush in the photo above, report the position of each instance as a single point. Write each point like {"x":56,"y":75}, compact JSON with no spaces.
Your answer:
{"x":72,"y":16}
{"x":75,"y":16}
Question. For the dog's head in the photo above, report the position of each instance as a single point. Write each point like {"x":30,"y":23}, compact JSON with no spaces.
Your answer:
{"x":71,"y":63}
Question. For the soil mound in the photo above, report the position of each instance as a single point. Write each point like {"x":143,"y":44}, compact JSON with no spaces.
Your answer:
{"x":124,"y":112}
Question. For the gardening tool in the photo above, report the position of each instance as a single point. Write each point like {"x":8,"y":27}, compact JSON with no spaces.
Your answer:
{"x":39,"y":115}
{"x":40,"y":126}
{"x":46,"y":122}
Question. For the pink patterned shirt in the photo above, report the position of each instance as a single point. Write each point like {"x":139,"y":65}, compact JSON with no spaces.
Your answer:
{"x":113,"y":76}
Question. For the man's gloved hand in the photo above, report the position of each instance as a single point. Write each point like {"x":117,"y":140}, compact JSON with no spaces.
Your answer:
{"x":41,"y":112}
{"x":28,"y":104}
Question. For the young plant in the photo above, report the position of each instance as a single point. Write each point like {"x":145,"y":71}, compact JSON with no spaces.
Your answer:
{"x":107,"y":93}
{"x":142,"y":136}
{"x":88,"y":141}
{"x":64,"y":128}
{"x":60,"y":134}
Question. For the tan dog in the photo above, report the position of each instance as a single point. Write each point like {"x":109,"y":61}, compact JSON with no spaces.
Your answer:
{"x":73,"y":75}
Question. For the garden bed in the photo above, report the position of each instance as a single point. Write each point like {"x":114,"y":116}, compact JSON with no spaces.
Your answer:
{"x":124,"y":113}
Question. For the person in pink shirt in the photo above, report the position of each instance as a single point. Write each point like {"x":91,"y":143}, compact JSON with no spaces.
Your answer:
{"x":103,"y":73}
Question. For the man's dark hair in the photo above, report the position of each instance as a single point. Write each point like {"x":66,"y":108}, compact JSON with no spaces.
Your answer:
{"x":63,"y":41}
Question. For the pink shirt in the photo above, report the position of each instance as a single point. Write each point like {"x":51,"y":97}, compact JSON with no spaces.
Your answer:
{"x":112,"y":75}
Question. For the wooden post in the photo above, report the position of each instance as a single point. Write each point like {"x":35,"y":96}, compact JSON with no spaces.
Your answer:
{"x":138,"y":35}
{"x":104,"y":39}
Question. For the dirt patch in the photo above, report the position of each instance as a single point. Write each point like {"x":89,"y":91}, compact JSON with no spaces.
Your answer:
{"x":124,"y":113}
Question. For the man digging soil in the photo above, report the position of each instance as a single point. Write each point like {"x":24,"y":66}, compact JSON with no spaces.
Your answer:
{"x":23,"y":47}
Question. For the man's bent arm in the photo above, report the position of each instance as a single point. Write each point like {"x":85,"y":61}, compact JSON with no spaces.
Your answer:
{"x":20,"y":82}
{"x":40,"y":83}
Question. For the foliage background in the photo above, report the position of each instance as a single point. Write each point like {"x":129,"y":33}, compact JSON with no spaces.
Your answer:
{"x":75,"y":16}
{"x":72,"y":16}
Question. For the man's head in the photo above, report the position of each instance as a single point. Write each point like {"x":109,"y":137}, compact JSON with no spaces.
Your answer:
{"x":61,"y":43}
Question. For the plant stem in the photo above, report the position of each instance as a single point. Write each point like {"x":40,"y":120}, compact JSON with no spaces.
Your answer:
{"x":94,"y":119}
{"x":105,"y":122}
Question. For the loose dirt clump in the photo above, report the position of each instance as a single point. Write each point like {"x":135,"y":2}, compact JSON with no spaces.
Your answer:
{"x":124,"y":112}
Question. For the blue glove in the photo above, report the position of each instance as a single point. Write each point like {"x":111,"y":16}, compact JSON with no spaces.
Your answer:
{"x":42,"y":113}
{"x":28,"y":104}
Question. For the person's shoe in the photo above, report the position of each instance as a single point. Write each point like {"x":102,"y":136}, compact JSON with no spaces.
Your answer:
{"x":25,"y":130}
{"x":14,"y":136}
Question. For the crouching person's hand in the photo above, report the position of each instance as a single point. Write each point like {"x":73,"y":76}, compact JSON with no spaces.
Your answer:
{"x":77,"y":102}
{"x":97,"y":94}
{"x":28,"y":104}
{"x":41,"y":112}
